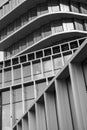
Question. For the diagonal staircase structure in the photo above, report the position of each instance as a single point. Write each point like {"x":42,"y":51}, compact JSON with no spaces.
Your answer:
{"x":62,"y":105}
{"x":42,"y":81}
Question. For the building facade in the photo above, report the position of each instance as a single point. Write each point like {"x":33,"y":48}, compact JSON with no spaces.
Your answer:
{"x":38,"y":38}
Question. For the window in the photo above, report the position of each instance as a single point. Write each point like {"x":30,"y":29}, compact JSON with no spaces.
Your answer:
{"x":30,"y":40}
{"x":65,"y":47}
{"x":17,"y":74}
{"x":75,"y":6}
{"x":46,"y":30}
{"x":0,"y":79}
{"x":17,"y":103}
{"x":42,"y":9}
{"x":64,"y":5}
{"x":67,"y":56}
{"x":40,"y":87}
{"x":47,"y":67}
{"x":83,"y":8}
{"x":37,"y":72}
{"x":26,"y":72}
{"x":33,"y":13}
{"x":57,"y":63}
{"x":7,"y":77}
{"x":29,"y":94}
{"x":68,"y":25}
{"x":6,"y":117}
{"x":54,"y":5}
{"x":57,"y":27}
{"x":6,"y":110}
{"x":37,"y":35}
{"x":85,"y":24}
{"x":79,"y":24}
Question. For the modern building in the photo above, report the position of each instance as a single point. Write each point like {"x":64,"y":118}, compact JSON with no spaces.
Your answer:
{"x":38,"y":37}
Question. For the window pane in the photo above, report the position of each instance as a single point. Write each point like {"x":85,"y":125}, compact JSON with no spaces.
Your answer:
{"x":37,"y":35}
{"x":40,"y":87}
{"x":57,"y":62}
{"x":29,"y":91}
{"x":27,"y":72}
{"x":54,"y":5}
{"x":28,"y":103}
{"x":17,"y":74}
{"x":6,"y":117}
{"x":64,"y":5}
{"x":57,"y":27}
{"x":83,"y":8}
{"x":17,"y":94}
{"x":6,"y":97}
{"x":7,"y":77}
{"x":37,"y":68}
{"x":47,"y":65}
{"x":42,"y":9}
{"x":17,"y":111}
{"x":68,"y":25}
{"x":46,"y":31}
{"x":79,"y":24}
{"x":75,"y":7}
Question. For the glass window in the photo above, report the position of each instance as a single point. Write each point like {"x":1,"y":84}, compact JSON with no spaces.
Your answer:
{"x":46,"y":30}
{"x":29,"y":91}
{"x":5,"y":97}
{"x":0,"y":79}
{"x":55,"y":5}
{"x":83,"y":8}
{"x":79,"y":24}
{"x":29,"y":95}
{"x":6,"y":117}
{"x":37,"y":70}
{"x":64,"y":5}
{"x":30,"y":40}
{"x":24,"y":18}
{"x":17,"y":94}
{"x":17,"y":23}
{"x":28,"y":103}
{"x":47,"y":67}
{"x":85,"y":24}
{"x":17,"y":74}
{"x":33,"y":13}
{"x":42,"y":9}
{"x":68,"y":25}
{"x":26,"y":72}
{"x":17,"y":108}
{"x":67,"y":57}
{"x":16,"y":48}
{"x":7,"y":77}
{"x":75,"y":7}
{"x":37,"y":35}
{"x":23,"y":44}
{"x":40,"y":87}
{"x":57,"y":27}
{"x":57,"y":62}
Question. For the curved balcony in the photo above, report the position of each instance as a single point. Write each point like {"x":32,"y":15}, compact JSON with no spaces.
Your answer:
{"x":51,"y":39}
{"x":17,"y":11}
{"x":36,"y":23}
{"x":25,"y":6}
